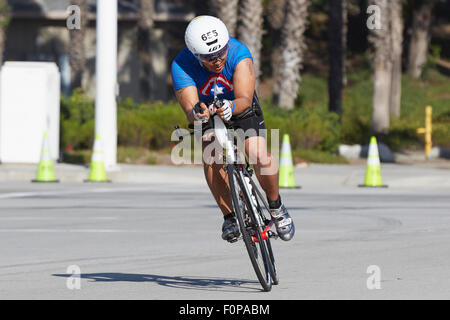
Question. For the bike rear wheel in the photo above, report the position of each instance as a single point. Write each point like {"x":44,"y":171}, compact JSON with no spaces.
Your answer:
{"x":264,"y":212}
{"x":250,"y":227}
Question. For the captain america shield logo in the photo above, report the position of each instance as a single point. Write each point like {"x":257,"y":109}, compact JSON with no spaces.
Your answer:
{"x":222,"y":85}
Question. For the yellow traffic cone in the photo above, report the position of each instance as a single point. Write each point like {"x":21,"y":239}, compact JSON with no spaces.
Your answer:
{"x":286,"y":169}
{"x":45,"y":172}
{"x":373,"y":169}
{"x":97,"y":171}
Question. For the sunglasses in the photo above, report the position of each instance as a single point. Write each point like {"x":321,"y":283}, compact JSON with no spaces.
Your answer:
{"x":214,"y":56}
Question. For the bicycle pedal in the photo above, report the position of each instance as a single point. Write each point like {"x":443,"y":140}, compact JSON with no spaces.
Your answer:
{"x":272,"y":234}
{"x":233,"y":240}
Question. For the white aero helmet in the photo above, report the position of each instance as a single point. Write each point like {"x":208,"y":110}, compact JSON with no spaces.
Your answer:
{"x":207,"y":37}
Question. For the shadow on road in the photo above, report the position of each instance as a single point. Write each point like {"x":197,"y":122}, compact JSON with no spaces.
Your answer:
{"x":195,"y":283}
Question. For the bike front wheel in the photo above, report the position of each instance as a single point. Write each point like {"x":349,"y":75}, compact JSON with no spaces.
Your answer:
{"x":251,"y":229}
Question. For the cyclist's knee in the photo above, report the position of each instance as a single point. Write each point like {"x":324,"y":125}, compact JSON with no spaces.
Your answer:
{"x":212,"y":153}
{"x":258,"y":155}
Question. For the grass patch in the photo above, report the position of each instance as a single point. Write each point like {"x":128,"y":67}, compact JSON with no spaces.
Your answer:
{"x":317,"y":156}
{"x":133,"y":155}
{"x":130,"y":155}
{"x":77,"y":156}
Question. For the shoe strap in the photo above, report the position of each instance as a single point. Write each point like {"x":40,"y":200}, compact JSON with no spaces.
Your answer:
{"x":277,"y":213}
{"x":284,"y":223}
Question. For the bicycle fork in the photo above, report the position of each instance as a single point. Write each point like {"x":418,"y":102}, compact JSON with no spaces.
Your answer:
{"x":260,"y":223}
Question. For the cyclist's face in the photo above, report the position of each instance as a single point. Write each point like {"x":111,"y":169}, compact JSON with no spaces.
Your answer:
{"x":217,"y":64}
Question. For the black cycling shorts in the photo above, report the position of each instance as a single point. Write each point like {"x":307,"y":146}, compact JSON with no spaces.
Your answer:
{"x":253,"y":126}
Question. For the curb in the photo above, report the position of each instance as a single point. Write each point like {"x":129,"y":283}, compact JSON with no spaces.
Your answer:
{"x":357,"y":151}
{"x":314,"y":176}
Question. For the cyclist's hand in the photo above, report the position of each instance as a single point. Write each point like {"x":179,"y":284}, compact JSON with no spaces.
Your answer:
{"x":226,"y":111}
{"x":201,"y":112}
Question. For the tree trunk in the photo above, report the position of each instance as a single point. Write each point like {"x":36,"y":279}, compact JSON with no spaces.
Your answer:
{"x":4,"y":21}
{"x":382,"y":62}
{"x":145,"y":25}
{"x":2,"y":44}
{"x":250,"y":30}
{"x":276,"y":12}
{"x":227,"y":11}
{"x":77,"y":55}
{"x":337,"y":29}
{"x":381,"y":97}
{"x":344,"y":41}
{"x":292,"y":52}
{"x":397,"y":45}
{"x":420,"y":38}
{"x":159,"y":67}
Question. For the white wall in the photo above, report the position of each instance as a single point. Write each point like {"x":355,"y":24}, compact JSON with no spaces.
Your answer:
{"x":29,"y":105}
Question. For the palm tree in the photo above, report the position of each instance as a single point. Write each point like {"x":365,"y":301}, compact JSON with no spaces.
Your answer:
{"x":227,"y":11}
{"x":292,"y":52}
{"x":337,"y":36}
{"x":77,"y":53}
{"x":420,"y":38}
{"x":4,"y":21}
{"x":382,"y":64}
{"x":250,"y":30}
{"x":397,"y":49}
{"x":145,"y":24}
{"x":275,"y":13}
{"x":387,"y":61}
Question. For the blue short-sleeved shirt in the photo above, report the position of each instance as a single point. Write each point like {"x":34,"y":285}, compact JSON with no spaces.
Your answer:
{"x":187,"y":71}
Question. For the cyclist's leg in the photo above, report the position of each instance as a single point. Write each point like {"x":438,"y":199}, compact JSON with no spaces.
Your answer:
{"x":256,"y":147}
{"x":266,"y":170}
{"x":217,"y":178}
{"x":266,"y":167}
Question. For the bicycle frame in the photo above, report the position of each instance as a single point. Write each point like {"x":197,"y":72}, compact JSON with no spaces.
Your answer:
{"x":255,"y":226}
{"x":231,"y":159}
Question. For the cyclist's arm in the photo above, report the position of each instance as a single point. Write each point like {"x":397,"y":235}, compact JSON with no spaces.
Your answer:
{"x":244,"y":85}
{"x":187,"y":98}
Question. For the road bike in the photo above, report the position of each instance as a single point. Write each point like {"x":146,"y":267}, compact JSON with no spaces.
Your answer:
{"x":249,"y":203}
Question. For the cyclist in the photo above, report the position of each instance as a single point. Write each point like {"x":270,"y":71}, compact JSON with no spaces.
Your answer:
{"x":215,"y":63}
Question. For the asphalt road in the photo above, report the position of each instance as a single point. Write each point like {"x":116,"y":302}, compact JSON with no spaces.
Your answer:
{"x":162,"y":241}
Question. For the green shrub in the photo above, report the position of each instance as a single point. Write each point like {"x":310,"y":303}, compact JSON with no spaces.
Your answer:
{"x":77,"y":121}
{"x":151,"y":125}
{"x":441,"y":134}
{"x":310,"y":125}
{"x":307,"y":129}
{"x":148,"y":125}
{"x":135,"y":155}
{"x":318,"y":156}
{"x":139,"y":125}
{"x":77,"y":156}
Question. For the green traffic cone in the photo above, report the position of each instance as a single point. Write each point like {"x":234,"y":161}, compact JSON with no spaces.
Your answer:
{"x":373,"y":169}
{"x":97,"y":171}
{"x":286,"y":168}
{"x":45,"y":172}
